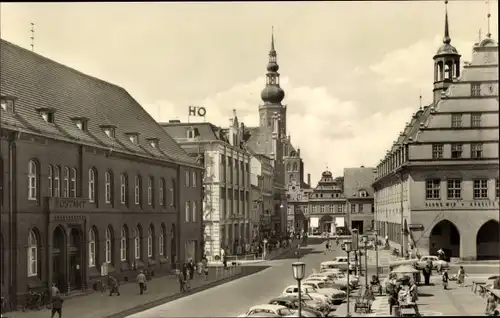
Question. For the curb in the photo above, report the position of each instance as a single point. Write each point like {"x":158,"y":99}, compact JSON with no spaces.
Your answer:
{"x":167,"y":299}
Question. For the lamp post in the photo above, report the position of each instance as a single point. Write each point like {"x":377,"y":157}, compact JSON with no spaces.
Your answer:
{"x":264,"y":251}
{"x":299,"y":270}
{"x":365,"y":242}
{"x":347,"y":246}
{"x":376,"y":251}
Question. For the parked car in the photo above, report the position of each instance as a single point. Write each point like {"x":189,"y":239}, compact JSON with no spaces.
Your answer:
{"x":339,"y":262}
{"x":270,"y":310}
{"x":294,"y":290}
{"x":340,"y":278}
{"x":328,"y":282}
{"x":337,"y":296}
{"x":293,"y":304}
{"x":310,"y":302}
{"x":436,"y":262}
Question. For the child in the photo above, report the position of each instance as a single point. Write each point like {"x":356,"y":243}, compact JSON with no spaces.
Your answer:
{"x":57,"y":302}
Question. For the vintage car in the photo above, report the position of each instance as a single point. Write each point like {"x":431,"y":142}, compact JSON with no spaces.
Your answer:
{"x":270,"y":310}
{"x":436,"y":262}
{"x":294,"y":290}
{"x":339,"y":262}
{"x":328,"y":282}
{"x":340,"y":278}
{"x":337,"y":296}
{"x":293,"y":304}
{"x":313,"y":304}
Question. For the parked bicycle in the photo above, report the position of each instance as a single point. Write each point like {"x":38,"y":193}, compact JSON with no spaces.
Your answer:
{"x":34,"y":301}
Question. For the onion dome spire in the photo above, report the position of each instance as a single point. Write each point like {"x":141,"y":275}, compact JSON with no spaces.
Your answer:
{"x":272,"y":93}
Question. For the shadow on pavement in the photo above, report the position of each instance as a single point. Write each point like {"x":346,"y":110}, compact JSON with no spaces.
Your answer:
{"x":245,"y":271}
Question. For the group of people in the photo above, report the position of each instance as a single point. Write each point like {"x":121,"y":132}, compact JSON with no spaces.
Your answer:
{"x":186,"y":274}
{"x":402,"y":292}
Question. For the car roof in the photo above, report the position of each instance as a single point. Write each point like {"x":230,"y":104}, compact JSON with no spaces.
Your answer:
{"x":267,"y":306}
{"x":281,"y":298}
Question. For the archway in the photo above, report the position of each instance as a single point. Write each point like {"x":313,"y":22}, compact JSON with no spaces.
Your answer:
{"x":75,"y":259}
{"x":445,"y":236}
{"x":173,"y":247}
{"x":59,"y":258}
{"x":487,"y":241}
{"x":326,"y":224}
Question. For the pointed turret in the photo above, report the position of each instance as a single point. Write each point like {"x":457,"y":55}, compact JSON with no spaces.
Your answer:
{"x":272,"y":93}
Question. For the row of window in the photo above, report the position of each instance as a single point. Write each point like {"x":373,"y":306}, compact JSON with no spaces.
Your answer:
{"x":190,"y":211}
{"x":236,"y":171}
{"x":476,"y":151}
{"x":454,"y":188}
{"x":457,"y":120}
{"x":154,"y":245}
{"x":69,"y":185}
{"x":294,"y":167}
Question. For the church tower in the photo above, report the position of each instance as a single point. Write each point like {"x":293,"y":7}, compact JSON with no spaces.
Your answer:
{"x":272,"y":95}
{"x":446,"y":62}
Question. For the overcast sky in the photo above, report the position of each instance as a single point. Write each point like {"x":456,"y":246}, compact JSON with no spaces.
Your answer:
{"x":352,"y":71}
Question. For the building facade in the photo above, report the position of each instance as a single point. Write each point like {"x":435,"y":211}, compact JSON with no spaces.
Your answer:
{"x":227,"y":188}
{"x":90,"y":183}
{"x":358,"y":191}
{"x":438,"y":186}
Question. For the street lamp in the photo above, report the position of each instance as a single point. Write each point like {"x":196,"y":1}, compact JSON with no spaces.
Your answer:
{"x":264,"y":251}
{"x":365,"y":244}
{"x":347,"y":246}
{"x":376,"y":250}
{"x":299,"y":271}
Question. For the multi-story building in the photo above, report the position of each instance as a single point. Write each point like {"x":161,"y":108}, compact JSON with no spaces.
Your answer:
{"x":438,"y":186}
{"x":90,"y":183}
{"x":226,"y":204}
{"x":298,"y":204}
{"x":262,"y":194}
{"x":359,"y":194}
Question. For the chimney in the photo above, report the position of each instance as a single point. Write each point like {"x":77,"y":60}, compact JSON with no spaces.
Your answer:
{"x":309,"y":179}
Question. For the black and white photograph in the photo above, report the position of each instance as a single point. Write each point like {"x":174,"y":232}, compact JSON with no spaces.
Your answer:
{"x":249,"y":159}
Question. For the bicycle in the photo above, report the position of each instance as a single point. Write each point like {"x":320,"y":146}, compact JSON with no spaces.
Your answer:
{"x":35,"y":301}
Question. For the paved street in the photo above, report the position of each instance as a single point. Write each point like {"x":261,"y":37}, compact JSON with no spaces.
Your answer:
{"x":234,"y":298}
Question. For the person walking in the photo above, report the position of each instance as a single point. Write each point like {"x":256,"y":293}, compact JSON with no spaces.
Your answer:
{"x":461,"y":276}
{"x":57,"y":302}
{"x":204,"y":263}
{"x":181,"y":279}
{"x":491,"y":305}
{"x":113,"y":286}
{"x":445,"y":279}
{"x":141,"y":280}
{"x":54,"y":290}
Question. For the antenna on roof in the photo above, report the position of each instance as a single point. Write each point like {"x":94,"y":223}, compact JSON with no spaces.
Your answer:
{"x":488,"y":16}
{"x":32,"y":36}
{"x":420,"y":98}
{"x":479,"y":41}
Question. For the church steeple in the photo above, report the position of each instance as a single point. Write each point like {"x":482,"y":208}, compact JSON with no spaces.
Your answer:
{"x":446,"y":62}
{"x":272,"y":93}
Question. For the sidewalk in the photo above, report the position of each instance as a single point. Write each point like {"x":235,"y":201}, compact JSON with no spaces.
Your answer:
{"x":269,"y":256}
{"x":100,"y":305}
{"x":384,"y":257}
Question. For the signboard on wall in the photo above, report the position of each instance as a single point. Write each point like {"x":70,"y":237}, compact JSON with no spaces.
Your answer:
{"x":339,"y":222}
{"x":314,"y":222}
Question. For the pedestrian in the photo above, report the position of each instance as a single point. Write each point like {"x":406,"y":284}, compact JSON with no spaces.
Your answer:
{"x":57,"y":302}
{"x":180,"y":278}
{"x":141,"y":280}
{"x":445,"y":279}
{"x":113,"y":285}
{"x":327,"y":246}
{"x":461,"y":276}
{"x":491,"y":305}
{"x":54,"y":290}
{"x":204,"y":263}
{"x":191,"y":268}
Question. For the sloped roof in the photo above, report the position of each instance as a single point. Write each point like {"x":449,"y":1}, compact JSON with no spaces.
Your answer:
{"x":258,"y":140}
{"x":38,"y":82}
{"x":356,"y":179}
{"x":204,"y":131}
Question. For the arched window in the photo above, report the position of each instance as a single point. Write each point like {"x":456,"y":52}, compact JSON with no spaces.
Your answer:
{"x":137,"y":190}
{"x":57,"y":181}
{"x":32,"y":254}
{"x":150,"y":241}
{"x":161,"y":192}
{"x":161,"y":240}
{"x":107,"y":186}
{"x":123,"y":189}
{"x":50,"y":177}
{"x":73,"y":183}
{"x":295,"y":167}
{"x":150,"y":190}
{"x":137,"y":243}
{"x":123,"y":244}
{"x":32,"y":180}
{"x":92,"y":239}
{"x":65,"y":182}
{"x":91,"y":185}
{"x":108,"y":247}
{"x":193,"y":209}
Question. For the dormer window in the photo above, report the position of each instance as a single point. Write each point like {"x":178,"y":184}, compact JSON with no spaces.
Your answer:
{"x":153,"y":142}
{"x":192,"y":133}
{"x":133,"y":137}
{"x":80,"y":122}
{"x":47,"y":114}
{"x":7,"y":103}
{"x":363,"y":194}
{"x":109,"y":130}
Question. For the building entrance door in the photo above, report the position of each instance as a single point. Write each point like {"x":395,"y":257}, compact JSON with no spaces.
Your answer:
{"x":75,"y":259}
{"x":58,"y":259}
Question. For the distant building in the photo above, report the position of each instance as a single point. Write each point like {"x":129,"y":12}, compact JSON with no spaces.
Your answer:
{"x":438,"y":186}
{"x":335,"y":205}
{"x":89,"y":183}
{"x":262,"y":195}
{"x":226,"y":204}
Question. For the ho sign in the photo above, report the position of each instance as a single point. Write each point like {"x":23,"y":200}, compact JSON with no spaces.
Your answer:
{"x":197,"y":111}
